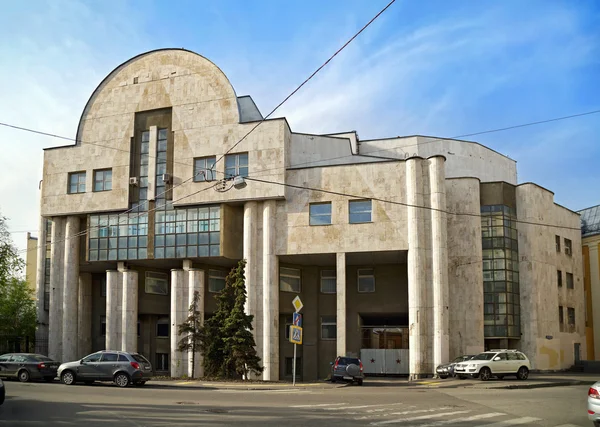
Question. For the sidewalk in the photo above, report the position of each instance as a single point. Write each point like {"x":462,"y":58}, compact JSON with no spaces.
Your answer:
{"x":239,"y":385}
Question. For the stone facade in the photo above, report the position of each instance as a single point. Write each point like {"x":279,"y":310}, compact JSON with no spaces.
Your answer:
{"x":385,"y":250}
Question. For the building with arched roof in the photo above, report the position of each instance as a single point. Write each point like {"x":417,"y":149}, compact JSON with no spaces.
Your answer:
{"x":405,"y":251}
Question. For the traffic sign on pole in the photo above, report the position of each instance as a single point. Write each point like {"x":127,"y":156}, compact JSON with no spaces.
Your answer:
{"x":297,"y":303}
{"x":295,"y":334}
{"x":297,"y":319}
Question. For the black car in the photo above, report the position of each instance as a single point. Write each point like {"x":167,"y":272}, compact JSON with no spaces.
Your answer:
{"x":27,"y":366}
{"x":347,"y":368}
{"x":447,"y":370}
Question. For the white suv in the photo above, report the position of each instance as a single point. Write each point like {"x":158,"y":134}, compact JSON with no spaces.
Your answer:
{"x":497,"y":363}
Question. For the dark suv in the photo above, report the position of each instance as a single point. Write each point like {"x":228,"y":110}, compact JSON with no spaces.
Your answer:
{"x":347,"y":368}
{"x":121,"y":367}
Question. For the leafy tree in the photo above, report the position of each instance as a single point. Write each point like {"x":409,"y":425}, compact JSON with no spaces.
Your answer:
{"x":192,"y":331}
{"x":228,"y":341}
{"x":17,"y":307}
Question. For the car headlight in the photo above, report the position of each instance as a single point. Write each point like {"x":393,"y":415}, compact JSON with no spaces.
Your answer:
{"x":472,"y":365}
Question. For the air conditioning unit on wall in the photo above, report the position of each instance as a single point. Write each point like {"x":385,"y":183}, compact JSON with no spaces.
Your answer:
{"x":166,"y":178}
{"x":133,"y":180}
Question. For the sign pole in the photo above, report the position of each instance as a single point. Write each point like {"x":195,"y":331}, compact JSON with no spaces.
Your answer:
{"x":294,"y":368}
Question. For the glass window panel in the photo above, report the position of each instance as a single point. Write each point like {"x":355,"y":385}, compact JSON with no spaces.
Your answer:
{"x":170,"y":252}
{"x":497,"y":231}
{"x":488,"y":297}
{"x":203,"y":238}
{"x":142,"y":229}
{"x":488,"y":286}
{"x":181,"y":251}
{"x":170,"y":228}
{"x":162,"y":134}
{"x":133,"y":242}
{"x":489,"y":319}
{"x":360,"y":211}
{"x":159,"y":240}
{"x":215,"y":238}
{"x":122,"y":242}
{"x":501,"y":308}
{"x":499,"y":275}
{"x":203,"y":213}
{"x":142,"y":253}
{"x":181,"y":239}
{"x":144,"y":170}
{"x":509,"y":308}
{"x":112,"y":243}
{"x":159,"y":252}
{"x":487,"y":254}
{"x":102,"y":255}
{"x":487,"y":264}
{"x":161,"y":168}
{"x":143,"y":241}
{"x":103,"y":243}
{"x":94,"y":255}
{"x":488,"y":276}
{"x":93,"y":243}
{"x":192,"y":214}
{"x":485,"y":232}
{"x":192,"y":239}
{"x":500,"y":331}
{"x":500,"y":286}
{"x":181,"y":227}
{"x":488,"y":308}
{"x":112,"y":254}
{"x":500,"y":298}
{"x":215,"y":250}
{"x":215,"y":224}
{"x":160,"y":228}
{"x":192,"y":251}
{"x":203,"y":251}
{"x":499,"y":264}
{"x":500,"y":319}
{"x":488,"y":331}
{"x":192,"y":226}
{"x":170,"y":240}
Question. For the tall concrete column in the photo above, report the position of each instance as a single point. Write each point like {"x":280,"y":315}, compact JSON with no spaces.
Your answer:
{"x":196,"y":284}
{"x":439,"y":235}
{"x":129,"y":320}
{"x":417,"y":304}
{"x":84,"y":317}
{"x":56,"y":281}
{"x":70,"y":289}
{"x":114,"y":293}
{"x":42,"y":315}
{"x":340,"y":289}
{"x":270,"y":295}
{"x":250,"y":256}
{"x":178,"y":310}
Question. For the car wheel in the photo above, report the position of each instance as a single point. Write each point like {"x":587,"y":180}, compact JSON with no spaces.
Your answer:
{"x":485,"y":374}
{"x":443,"y":377}
{"x":523,"y":373}
{"x":23,"y":375}
{"x":67,"y":378}
{"x":48,"y":379}
{"x":121,"y":379}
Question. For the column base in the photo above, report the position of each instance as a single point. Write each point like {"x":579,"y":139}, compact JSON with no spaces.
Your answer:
{"x":414,"y":377}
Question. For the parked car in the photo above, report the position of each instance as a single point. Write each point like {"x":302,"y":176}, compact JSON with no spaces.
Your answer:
{"x":347,"y":368}
{"x":495,"y":363}
{"x":27,"y":366}
{"x":593,"y":404}
{"x":107,"y":365}
{"x":2,"y":392}
{"x":447,"y":369}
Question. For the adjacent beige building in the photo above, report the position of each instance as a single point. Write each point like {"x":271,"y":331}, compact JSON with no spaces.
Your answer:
{"x":406,"y":252}
{"x":590,"y":236}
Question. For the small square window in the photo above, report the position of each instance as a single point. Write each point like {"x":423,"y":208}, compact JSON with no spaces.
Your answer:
{"x":366,"y":280}
{"x":236,"y":164}
{"x":290,"y":280}
{"x":216,"y":280}
{"x":328,"y":281}
{"x":328,"y":328}
{"x":204,"y":169}
{"x":360,"y":211}
{"x":103,"y":180}
{"x":320,"y":213}
{"x":76,"y":182}
{"x":156,"y":283}
{"x":570,"y":281}
{"x":162,"y":327}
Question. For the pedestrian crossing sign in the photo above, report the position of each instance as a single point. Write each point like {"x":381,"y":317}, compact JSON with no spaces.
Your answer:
{"x":295,"y":334}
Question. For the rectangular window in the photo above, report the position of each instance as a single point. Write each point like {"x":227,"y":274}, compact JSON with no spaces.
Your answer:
{"x":360,"y":211}
{"x":162,"y":327}
{"x":568,"y":247}
{"x":570,"y":281}
{"x":204,"y":169}
{"x":561,"y":318}
{"x":290,"y":279}
{"x":571,"y":315}
{"x":289,"y":363}
{"x":557,"y":239}
{"x":103,"y":325}
{"x":103,"y":180}
{"x":320,"y":213}
{"x":216,"y":280}
{"x":162,"y":362}
{"x":328,"y":328}
{"x":76,"y":182}
{"x":366,"y":280}
{"x":236,"y":164}
{"x":289,"y":321}
{"x":328,"y":281}
{"x":157,"y":283}
{"x":559,"y":278}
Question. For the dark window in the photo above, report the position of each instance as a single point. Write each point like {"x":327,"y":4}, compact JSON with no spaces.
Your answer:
{"x":103,"y":180}
{"x":216,"y":280}
{"x":123,"y":358}
{"x":103,"y":325}
{"x":236,"y":164}
{"x":502,"y":356}
{"x":559,"y":278}
{"x":162,"y":362}
{"x":571,"y":315}
{"x":366,"y":280}
{"x":320,"y":213}
{"x":5,"y":358}
{"x":561,"y":318}
{"x":204,"y":169}
{"x":360,"y":211}
{"x":569,"y":280}
{"x":162,"y":327}
{"x":568,"y":247}
{"x":328,"y":327}
{"x":289,"y":363}
{"x":513,"y":356}
{"x":345,"y":361}
{"x":328,"y":281}
{"x":140,"y":358}
{"x":289,"y":321}
{"x":557,"y":239}
{"x":521,"y":356}
{"x":290,"y":279}
{"x":76,"y":182}
{"x":110,"y":357}
{"x":93,"y":358}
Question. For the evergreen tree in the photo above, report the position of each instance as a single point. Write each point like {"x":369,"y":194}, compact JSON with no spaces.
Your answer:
{"x":192,"y":331}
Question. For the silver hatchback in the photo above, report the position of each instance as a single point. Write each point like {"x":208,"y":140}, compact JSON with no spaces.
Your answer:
{"x":118,"y":366}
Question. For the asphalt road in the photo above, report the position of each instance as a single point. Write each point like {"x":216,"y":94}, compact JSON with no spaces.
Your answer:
{"x":40,"y":404}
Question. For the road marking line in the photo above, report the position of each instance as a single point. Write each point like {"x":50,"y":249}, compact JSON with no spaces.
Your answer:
{"x":513,"y":422}
{"x":420,"y":411}
{"x":463,"y":419}
{"x":362,"y":406}
{"x":318,"y":404}
{"x":567,"y":425}
{"x":422,"y":417}
{"x":376,"y":415}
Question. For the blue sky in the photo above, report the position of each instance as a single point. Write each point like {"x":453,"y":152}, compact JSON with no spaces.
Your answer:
{"x":434,"y":68}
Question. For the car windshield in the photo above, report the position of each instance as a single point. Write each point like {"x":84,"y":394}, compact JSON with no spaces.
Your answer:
{"x":458,"y":359}
{"x":348,"y":361}
{"x":484,"y":356}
